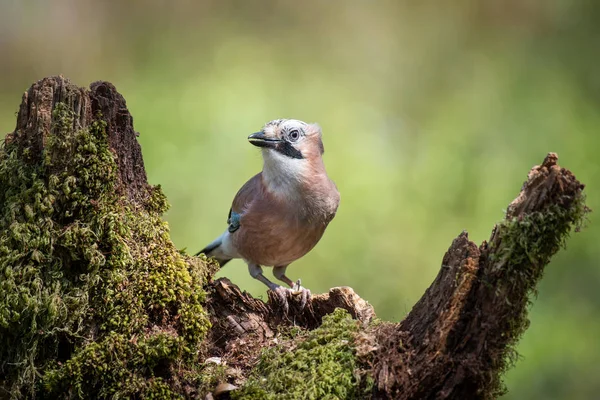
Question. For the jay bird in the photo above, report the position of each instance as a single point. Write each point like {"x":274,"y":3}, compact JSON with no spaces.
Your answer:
{"x":281,"y":213}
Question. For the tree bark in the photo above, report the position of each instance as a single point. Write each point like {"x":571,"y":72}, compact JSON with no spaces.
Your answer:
{"x":454,"y":344}
{"x":34,"y":122}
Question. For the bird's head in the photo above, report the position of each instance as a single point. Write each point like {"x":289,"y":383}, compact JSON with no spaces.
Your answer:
{"x":292,"y":152}
{"x":289,"y":139}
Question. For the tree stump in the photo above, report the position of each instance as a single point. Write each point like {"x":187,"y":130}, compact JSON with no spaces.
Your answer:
{"x":96,"y":301}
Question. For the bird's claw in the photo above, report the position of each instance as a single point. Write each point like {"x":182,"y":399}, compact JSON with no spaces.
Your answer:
{"x":282,"y":293}
{"x":297,"y":290}
{"x":297,"y":286}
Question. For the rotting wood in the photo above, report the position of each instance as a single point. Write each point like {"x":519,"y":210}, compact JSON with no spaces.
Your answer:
{"x":35,"y":117}
{"x":460,"y":336}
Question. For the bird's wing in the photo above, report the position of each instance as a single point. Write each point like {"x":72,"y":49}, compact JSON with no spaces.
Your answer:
{"x":243,"y":197}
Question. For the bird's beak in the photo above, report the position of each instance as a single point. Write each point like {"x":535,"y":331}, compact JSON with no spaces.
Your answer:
{"x":260,"y":140}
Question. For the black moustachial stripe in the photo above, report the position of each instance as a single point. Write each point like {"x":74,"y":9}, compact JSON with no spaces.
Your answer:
{"x":287,"y":149}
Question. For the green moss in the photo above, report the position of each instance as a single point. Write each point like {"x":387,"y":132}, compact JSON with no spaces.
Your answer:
{"x":320,"y":364}
{"x":522,"y":248}
{"x":528,"y":243}
{"x":95,"y":300}
{"x":212,"y":375}
{"x":118,"y":366}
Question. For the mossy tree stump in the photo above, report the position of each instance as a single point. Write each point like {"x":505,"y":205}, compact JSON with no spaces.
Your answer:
{"x":96,"y":302}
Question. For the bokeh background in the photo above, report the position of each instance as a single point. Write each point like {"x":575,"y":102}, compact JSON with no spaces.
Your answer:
{"x":432,"y":116}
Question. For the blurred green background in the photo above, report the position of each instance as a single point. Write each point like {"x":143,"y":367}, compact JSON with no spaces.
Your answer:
{"x":432,"y":116}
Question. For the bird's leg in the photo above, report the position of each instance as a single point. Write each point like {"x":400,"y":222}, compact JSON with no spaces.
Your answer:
{"x":279,"y":273}
{"x":257,"y":273}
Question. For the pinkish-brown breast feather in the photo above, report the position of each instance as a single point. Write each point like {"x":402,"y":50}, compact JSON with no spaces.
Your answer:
{"x":274,"y":231}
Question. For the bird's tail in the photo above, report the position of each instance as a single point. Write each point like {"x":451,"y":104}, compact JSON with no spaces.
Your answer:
{"x":214,"y":250}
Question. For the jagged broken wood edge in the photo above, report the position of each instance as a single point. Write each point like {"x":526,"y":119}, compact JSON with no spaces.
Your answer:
{"x":237,"y":313}
{"x":101,"y":100}
{"x":459,"y":337}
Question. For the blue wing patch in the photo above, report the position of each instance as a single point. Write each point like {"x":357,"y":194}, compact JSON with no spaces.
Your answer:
{"x":234,"y":221}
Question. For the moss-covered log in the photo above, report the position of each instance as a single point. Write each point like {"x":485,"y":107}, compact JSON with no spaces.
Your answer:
{"x":96,"y":302}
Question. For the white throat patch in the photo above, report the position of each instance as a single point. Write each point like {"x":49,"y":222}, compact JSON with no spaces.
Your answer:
{"x":283,"y":174}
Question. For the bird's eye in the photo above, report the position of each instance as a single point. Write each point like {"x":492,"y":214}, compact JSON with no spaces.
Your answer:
{"x":294,"y":135}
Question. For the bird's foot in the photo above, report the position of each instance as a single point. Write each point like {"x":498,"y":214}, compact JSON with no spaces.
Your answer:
{"x":297,"y":289}
{"x":284,"y":294}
